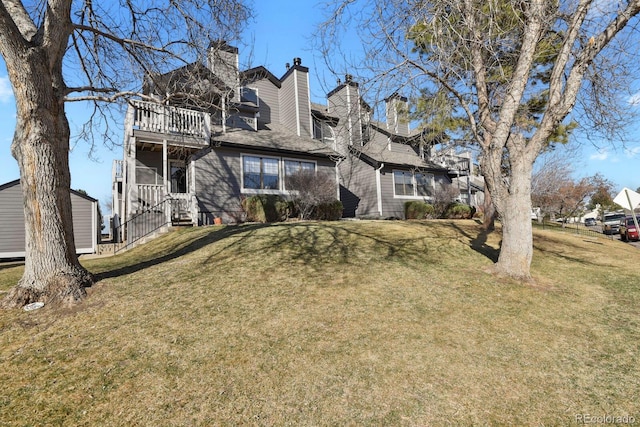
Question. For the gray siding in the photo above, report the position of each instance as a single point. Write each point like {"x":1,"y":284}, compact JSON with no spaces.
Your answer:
{"x":288,"y":104}
{"x":84,"y":223}
{"x":358,"y":194}
{"x":12,"y":224}
{"x":344,"y":102}
{"x":12,"y":233}
{"x":218,"y":181}
{"x":391,"y":206}
{"x":269,"y":101}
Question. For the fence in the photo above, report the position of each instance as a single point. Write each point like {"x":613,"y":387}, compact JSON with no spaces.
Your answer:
{"x":574,"y":228}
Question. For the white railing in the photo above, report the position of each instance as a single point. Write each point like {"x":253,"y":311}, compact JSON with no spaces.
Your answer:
{"x":117,"y":170}
{"x":172,"y":120}
{"x":453,"y":163}
{"x":149,"y":195}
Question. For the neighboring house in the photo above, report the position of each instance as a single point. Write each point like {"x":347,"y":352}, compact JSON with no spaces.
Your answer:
{"x":193,"y":160}
{"x":84,"y":209}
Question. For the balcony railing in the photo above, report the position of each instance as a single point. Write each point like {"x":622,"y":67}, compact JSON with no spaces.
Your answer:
{"x":454,"y":163}
{"x":117,"y":170}
{"x":154,"y":117}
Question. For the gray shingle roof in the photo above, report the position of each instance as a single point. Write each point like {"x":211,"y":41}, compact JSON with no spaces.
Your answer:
{"x":381,"y":153}
{"x":274,"y":137}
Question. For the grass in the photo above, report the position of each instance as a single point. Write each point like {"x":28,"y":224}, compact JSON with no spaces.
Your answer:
{"x":349,"y":323}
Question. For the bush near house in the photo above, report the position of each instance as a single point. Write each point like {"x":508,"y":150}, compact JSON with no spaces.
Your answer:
{"x":266,"y":208}
{"x":329,"y":211}
{"x":415,"y":209}
{"x":457,"y":210}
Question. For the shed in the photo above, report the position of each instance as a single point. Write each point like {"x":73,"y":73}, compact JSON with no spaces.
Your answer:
{"x":12,"y":233}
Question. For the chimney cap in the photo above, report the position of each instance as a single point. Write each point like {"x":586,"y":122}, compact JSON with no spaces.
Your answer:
{"x":297,"y":61}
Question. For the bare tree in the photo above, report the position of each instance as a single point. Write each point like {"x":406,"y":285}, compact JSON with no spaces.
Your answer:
{"x":61,"y":51}
{"x":514,"y":68}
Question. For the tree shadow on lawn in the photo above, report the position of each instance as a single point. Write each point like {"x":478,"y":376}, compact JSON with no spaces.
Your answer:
{"x":312,"y":243}
{"x":479,"y":242}
{"x":207,"y":239}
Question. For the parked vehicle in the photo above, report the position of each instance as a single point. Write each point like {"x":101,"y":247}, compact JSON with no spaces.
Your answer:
{"x":628,"y":230}
{"x":611,"y":223}
{"x":590,"y":222}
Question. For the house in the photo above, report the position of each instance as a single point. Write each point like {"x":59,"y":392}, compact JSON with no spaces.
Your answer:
{"x":86,"y":226}
{"x":384,"y":164}
{"x":209,"y":136}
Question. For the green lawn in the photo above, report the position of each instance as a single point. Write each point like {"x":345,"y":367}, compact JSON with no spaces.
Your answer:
{"x":347,"y":323}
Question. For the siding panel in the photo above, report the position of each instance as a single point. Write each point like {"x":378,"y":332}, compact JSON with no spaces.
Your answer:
{"x":12,"y":231}
{"x":218,"y":182}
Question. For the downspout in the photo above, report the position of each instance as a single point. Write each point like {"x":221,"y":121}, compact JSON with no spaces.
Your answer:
{"x":379,"y":188}
{"x":338,"y":177}
{"x":349,"y":110}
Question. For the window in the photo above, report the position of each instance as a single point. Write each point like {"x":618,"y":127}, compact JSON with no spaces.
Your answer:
{"x":146,"y":175}
{"x":248,"y":94}
{"x":260,"y":173}
{"x":293,"y":166}
{"x":403,"y":183}
{"x":424,"y":184}
{"x":412,"y":184}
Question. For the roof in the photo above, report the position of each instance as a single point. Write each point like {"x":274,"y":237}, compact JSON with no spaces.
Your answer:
{"x":258,"y":73}
{"x":380,"y":153}
{"x":274,"y":137}
{"x":76,"y":192}
{"x":193,"y":81}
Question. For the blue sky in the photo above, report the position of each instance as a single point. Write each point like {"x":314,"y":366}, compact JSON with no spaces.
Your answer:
{"x":278,"y":35}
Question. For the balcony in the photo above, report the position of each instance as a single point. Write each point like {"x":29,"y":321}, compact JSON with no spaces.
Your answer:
{"x":165,"y":119}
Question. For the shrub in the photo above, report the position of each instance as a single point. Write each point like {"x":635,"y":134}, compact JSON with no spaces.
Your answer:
{"x":311,"y":190}
{"x":266,"y":208}
{"x":329,"y":211}
{"x":457,"y":211}
{"x":415,"y":209}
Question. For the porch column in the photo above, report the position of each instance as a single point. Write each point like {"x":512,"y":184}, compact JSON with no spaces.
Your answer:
{"x":165,"y":168}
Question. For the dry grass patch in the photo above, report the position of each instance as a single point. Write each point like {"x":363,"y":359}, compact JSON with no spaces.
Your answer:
{"x":350,"y":323}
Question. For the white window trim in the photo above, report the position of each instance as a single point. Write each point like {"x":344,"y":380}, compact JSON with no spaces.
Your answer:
{"x":415,"y":185}
{"x":281,"y":174}
{"x":244,"y":190}
{"x":292,"y":159}
{"x":255,"y":89}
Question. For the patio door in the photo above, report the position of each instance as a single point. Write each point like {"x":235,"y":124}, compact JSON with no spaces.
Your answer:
{"x":178,"y":176}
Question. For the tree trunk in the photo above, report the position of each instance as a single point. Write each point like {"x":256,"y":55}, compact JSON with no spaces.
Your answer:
{"x":489,"y":217}
{"x":514,"y":207}
{"x":52,"y":273}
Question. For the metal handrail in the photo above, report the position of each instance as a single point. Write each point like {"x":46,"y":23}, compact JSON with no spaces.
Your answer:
{"x":143,"y":224}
